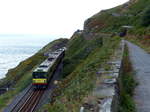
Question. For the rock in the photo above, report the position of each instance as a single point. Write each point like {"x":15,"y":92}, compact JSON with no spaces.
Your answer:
{"x":110,"y":81}
{"x":82,"y":109}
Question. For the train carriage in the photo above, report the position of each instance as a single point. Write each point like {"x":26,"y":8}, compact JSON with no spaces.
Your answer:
{"x":44,"y":72}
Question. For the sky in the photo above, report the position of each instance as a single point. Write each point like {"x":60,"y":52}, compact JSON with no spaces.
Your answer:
{"x":48,"y":17}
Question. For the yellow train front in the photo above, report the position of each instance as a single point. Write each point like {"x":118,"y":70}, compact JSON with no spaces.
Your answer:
{"x":39,"y":79}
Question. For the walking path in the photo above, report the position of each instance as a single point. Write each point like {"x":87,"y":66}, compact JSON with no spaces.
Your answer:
{"x":141,"y":64}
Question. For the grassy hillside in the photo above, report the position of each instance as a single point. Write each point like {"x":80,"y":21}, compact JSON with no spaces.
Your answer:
{"x":78,"y":50}
{"x":85,"y":55}
{"x":86,"y":58}
{"x":127,"y":14}
{"x":135,"y":13}
{"x":20,"y":76}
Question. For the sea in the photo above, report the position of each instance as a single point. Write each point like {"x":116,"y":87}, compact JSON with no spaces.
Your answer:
{"x":16,"y":48}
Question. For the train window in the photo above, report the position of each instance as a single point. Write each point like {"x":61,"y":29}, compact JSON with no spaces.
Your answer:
{"x":55,"y":53}
{"x":39,"y":74}
{"x":50,"y":59}
{"x":43,"y":66}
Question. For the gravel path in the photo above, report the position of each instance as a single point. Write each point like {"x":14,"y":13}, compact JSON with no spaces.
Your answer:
{"x":141,"y":63}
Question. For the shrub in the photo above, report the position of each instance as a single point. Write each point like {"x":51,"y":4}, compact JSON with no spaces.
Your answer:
{"x":146,"y":17}
{"x":78,"y":50}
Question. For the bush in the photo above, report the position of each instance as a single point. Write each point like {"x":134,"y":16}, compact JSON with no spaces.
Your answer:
{"x":146,"y":17}
{"x":78,"y":50}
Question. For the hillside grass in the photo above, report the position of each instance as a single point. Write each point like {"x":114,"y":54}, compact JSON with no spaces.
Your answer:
{"x":127,"y":85}
{"x":130,"y":14}
{"x":20,"y":77}
{"x":105,"y":22}
{"x":78,"y":50}
{"x":80,"y":83}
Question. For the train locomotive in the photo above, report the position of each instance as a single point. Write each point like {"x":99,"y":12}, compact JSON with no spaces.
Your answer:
{"x":44,"y":72}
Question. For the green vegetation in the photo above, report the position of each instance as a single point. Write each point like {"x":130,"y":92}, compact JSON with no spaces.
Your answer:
{"x":81,"y":81}
{"x":127,"y":85}
{"x":20,"y":77}
{"x":133,"y":13}
{"x":107,"y":23}
{"x":78,"y":50}
{"x":145,"y":17}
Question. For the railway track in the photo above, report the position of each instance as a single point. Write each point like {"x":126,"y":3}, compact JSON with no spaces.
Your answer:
{"x":30,"y":103}
{"x":20,"y":102}
{"x":31,"y":98}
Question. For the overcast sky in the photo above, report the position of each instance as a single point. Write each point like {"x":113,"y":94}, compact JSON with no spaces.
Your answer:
{"x":49,"y":17}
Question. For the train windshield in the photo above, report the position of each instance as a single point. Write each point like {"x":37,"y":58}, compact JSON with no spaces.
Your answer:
{"x":39,"y":74}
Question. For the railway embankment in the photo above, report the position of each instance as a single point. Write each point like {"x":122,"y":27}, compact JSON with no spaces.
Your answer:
{"x":105,"y":96}
{"x":79,"y":81}
{"x":17,"y":79}
{"x":115,"y":84}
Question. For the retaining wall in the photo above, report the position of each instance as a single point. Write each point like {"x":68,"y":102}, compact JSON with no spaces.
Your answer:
{"x":105,"y":97}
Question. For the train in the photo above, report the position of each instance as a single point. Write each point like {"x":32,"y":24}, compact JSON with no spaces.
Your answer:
{"x":44,"y":72}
